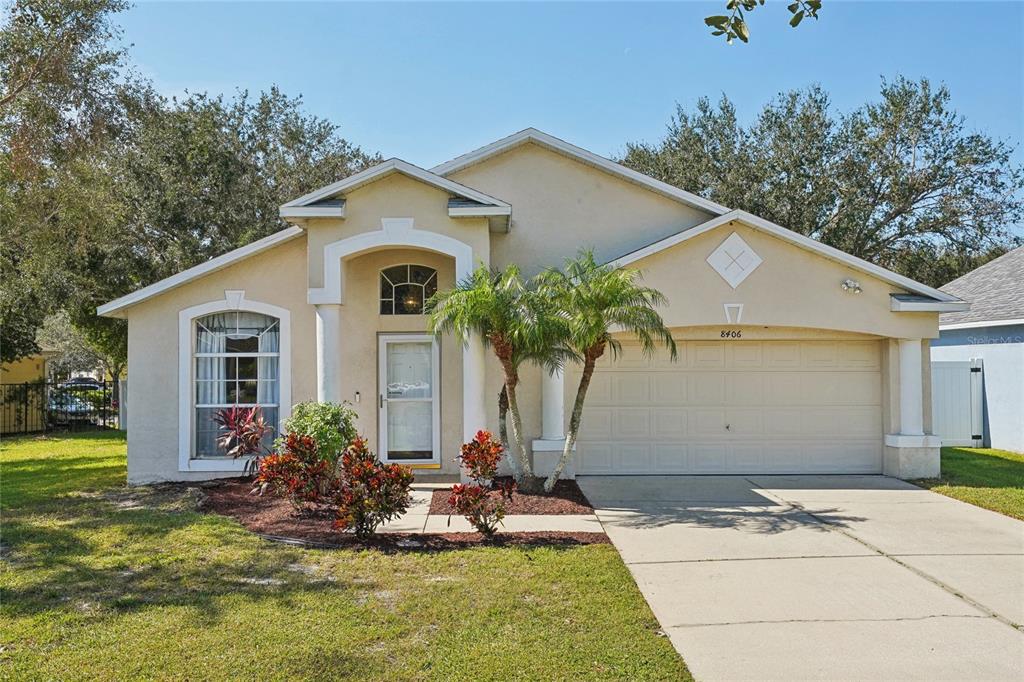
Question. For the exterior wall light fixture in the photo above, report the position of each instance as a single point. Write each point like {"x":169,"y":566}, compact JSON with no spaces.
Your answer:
{"x":851,"y":285}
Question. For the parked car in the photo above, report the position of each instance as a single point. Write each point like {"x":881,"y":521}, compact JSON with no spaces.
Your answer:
{"x":64,"y":408}
{"x":84,"y":383}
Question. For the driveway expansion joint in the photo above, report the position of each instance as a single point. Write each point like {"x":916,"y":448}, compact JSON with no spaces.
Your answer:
{"x":894,"y":558}
{"x":830,"y":620}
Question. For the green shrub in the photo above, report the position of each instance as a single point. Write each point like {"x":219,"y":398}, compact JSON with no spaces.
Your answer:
{"x":331,"y":425}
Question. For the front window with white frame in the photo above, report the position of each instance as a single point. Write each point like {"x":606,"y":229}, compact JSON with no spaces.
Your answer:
{"x":237,"y":363}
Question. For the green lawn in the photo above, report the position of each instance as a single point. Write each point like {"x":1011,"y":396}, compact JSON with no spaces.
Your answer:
{"x":993,"y":479}
{"x":94,"y":585}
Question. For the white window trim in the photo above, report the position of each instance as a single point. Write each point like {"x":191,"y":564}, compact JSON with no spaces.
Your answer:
{"x":435,"y":401}
{"x":233,"y":300}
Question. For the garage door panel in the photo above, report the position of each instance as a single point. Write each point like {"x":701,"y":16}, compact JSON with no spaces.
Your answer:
{"x":595,"y":458}
{"x":707,"y":355}
{"x":669,"y":423}
{"x":708,"y":422}
{"x":631,"y":423}
{"x":783,"y":389}
{"x":745,"y":388}
{"x":819,"y":354}
{"x":708,"y":458}
{"x":790,"y":407}
{"x":633,"y":457}
{"x":860,"y":422}
{"x":860,"y":355}
{"x":596,"y":423}
{"x":782,"y":355}
{"x":707,"y":388}
{"x":747,"y":356}
{"x":740,"y":423}
{"x":747,"y":457}
{"x":630,"y":388}
{"x":600,"y":390}
{"x":670,"y":388}
{"x":671,"y":458}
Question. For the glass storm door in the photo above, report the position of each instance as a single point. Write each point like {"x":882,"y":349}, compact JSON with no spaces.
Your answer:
{"x":409,"y":405}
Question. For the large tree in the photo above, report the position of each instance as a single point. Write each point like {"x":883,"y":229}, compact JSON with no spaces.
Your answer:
{"x":62,"y":88}
{"x":894,"y":181}
{"x":106,"y":186}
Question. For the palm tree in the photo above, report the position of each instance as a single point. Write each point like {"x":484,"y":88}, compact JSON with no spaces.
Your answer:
{"x":518,"y":325}
{"x":593,"y":301}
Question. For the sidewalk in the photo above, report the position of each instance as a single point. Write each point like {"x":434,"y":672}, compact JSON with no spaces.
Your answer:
{"x":419,"y":519}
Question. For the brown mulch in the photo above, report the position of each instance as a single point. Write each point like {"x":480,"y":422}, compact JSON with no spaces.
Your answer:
{"x":566,"y":498}
{"x":275,"y":519}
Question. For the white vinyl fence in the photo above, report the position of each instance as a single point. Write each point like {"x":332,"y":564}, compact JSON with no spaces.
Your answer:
{"x":956,"y":402}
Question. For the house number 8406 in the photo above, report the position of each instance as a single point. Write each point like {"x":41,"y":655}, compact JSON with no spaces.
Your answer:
{"x":731,"y":334}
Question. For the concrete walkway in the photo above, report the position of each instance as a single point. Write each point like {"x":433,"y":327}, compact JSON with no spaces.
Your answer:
{"x":419,"y":519}
{"x":821,"y":577}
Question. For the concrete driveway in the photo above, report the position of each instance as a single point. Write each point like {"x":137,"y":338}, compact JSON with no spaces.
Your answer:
{"x":821,"y":577}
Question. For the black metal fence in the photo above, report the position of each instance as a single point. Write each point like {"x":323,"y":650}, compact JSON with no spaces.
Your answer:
{"x":64,"y":406}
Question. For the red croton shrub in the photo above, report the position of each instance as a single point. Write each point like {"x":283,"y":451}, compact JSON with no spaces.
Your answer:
{"x":480,"y":502}
{"x":297,"y":472}
{"x":369,"y":492}
{"x":242,"y":430}
{"x":480,"y":457}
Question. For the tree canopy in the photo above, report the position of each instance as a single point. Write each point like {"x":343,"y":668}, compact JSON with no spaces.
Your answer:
{"x":107,"y":186}
{"x":898,"y":182}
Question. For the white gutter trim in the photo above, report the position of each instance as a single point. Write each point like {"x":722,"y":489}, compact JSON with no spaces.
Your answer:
{"x":475,"y":211}
{"x":210,"y":266}
{"x":898,"y":306}
{"x":386,"y":168}
{"x":580,"y":154}
{"x":312,"y":211}
{"x":792,"y":237}
{"x":982,"y":323}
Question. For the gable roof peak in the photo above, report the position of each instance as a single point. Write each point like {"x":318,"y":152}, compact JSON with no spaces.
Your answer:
{"x":581,"y":155}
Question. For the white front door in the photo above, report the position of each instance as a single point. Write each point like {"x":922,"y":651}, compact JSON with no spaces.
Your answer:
{"x":409,"y":400}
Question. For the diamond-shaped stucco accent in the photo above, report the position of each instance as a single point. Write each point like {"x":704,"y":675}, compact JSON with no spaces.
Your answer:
{"x":734,"y":260}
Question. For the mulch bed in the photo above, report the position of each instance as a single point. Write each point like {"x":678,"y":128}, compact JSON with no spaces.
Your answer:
{"x":275,"y":519}
{"x":566,"y":498}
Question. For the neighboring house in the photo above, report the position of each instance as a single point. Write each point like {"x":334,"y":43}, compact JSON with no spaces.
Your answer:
{"x":794,"y":357}
{"x":29,"y":369}
{"x":991,"y":334}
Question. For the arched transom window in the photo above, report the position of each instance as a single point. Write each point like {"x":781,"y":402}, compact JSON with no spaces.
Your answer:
{"x":404,"y":289}
{"x":237,"y":362}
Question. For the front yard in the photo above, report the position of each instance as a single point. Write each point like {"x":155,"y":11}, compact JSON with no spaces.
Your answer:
{"x":103,"y":582}
{"x":993,"y":479}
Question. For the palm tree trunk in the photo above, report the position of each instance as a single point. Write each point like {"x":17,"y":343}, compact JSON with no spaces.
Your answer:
{"x":503,"y":431}
{"x":526,"y":478}
{"x":589,"y":363}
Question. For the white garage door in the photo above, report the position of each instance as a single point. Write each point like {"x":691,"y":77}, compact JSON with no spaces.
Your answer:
{"x":735,"y":407}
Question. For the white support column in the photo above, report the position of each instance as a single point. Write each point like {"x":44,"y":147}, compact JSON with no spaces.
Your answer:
{"x":474,"y":405}
{"x":328,"y":352}
{"x":911,"y":389}
{"x":553,"y":405}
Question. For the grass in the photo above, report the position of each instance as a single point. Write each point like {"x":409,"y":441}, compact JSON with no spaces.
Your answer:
{"x":993,"y":479}
{"x":103,"y":582}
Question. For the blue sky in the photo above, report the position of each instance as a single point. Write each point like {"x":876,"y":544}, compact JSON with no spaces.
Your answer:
{"x":427,"y":82}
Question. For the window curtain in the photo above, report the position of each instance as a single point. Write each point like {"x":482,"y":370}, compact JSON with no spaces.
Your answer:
{"x":211,"y":386}
{"x":268,"y":389}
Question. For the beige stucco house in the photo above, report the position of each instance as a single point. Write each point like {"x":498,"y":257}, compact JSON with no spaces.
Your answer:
{"x":794,"y":357}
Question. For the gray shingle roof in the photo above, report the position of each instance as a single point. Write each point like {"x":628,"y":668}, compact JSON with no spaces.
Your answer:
{"x":995,"y":291}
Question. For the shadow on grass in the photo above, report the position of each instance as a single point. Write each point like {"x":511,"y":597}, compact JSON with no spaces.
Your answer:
{"x":138,"y":559}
